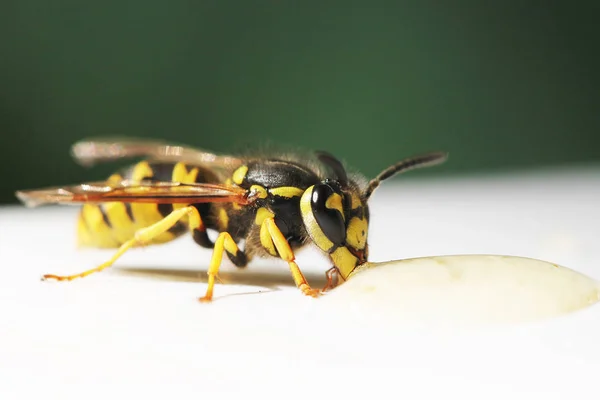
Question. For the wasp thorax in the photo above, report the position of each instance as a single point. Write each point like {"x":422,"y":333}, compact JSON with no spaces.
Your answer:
{"x":337,"y":222}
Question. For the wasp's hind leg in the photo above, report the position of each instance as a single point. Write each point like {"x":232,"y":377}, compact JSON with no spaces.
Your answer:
{"x":143,"y":236}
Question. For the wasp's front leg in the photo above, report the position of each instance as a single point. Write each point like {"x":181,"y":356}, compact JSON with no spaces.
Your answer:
{"x":333,"y":278}
{"x":275,"y":243}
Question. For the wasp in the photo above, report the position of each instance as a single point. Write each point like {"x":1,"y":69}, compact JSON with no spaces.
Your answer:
{"x":276,"y":205}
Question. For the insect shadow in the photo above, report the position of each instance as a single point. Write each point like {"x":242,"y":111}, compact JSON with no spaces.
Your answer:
{"x":269,"y":280}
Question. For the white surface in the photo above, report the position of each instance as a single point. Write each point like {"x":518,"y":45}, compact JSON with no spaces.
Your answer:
{"x":137,"y":329}
{"x":464,"y":291}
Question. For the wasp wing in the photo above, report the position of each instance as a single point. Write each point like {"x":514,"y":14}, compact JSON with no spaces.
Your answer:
{"x":89,"y":152}
{"x":136,"y":192}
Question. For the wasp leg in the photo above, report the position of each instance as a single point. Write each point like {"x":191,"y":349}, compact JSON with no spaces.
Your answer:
{"x":271,"y":239}
{"x":141,"y":237}
{"x":333,"y":276}
{"x":224,"y":243}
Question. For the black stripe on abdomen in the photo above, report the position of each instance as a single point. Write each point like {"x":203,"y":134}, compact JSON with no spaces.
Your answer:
{"x":129,"y":212}
{"x":105,"y":217}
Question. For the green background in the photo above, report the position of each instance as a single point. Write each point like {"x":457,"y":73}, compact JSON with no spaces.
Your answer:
{"x":501,"y":85}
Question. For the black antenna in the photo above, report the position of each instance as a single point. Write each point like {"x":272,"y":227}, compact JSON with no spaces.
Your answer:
{"x":425,"y":160}
{"x":335,"y":165}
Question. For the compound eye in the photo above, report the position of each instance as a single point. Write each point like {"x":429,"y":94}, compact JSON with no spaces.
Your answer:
{"x":328,"y":212}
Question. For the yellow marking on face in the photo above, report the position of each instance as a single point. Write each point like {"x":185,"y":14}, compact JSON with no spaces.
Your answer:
{"x":334,"y":202}
{"x":314,"y":231}
{"x":141,"y":170}
{"x":355,"y":201}
{"x":344,"y":261}
{"x":262,"y":214}
{"x":356,"y":233}
{"x":228,"y":181}
{"x":181,"y":174}
{"x":286,"y":191}
{"x":262,"y":192}
{"x":239,"y":174}
{"x":223,"y":218}
{"x":266,"y":240}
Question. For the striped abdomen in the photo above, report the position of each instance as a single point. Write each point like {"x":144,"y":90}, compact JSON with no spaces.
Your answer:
{"x":109,"y":225}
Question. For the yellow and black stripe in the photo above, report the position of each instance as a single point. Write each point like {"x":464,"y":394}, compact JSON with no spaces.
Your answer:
{"x":109,"y":225}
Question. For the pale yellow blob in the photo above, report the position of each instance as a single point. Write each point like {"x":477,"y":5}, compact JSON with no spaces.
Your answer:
{"x":464,"y":290}
{"x":286,"y":191}
{"x":239,"y":174}
{"x":141,"y":170}
{"x":181,"y":174}
{"x":262,"y":214}
{"x":356,"y":233}
{"x":223,"y":219}
{"x":261,"y":191}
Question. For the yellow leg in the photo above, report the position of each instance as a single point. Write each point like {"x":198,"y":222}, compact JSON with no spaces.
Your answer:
{"x":141,"y":237}
{"x":286,"y":253}
{"x":223,"y":243}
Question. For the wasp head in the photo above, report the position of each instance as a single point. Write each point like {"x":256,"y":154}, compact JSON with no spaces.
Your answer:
{"x":335,"y":211}
{"x":336,"y":217}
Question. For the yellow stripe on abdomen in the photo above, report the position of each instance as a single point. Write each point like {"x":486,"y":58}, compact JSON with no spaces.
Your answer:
{"x":94,"y":231}
{"x":122,"y":228}
{"x":146,"y":215}
{"x":109,"y":225}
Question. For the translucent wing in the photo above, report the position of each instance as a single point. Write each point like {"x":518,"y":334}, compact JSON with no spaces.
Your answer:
{"x":136,"y":192}
{"x":89,"y":152}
